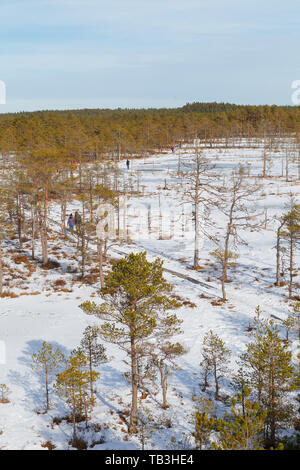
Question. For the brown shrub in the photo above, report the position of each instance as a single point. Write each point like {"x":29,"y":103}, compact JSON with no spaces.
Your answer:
{"x":97,"y":427}
{"x":97,"y":442}
{"x":217,"y":302}
{"x":48,"y":445}
{"x":79,"y":443}
{"x":51,"y":264}
{"x":7,"y":293}
{"x":187,"y":303}
{"x":18,"y":259}
{"x":89,"y":279}
{"x":56,"y":420}
{"x":59,"y":283}
{"x":203,"y":296}
{"x":71,"y":270}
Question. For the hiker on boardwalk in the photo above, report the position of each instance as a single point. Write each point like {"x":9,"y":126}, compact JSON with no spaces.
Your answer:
{"x":77,"y":219}
{"x":71,"y":223}
{"x":127,"y":164}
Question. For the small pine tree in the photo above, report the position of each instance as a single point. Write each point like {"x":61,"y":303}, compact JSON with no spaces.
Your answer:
{"x":46,"y":361}
{"x":240,"y":382}
{"x":296,"y":316}
{"x":163,"y":358}
{"x":292,"y":236}
{"x":240,"y":430}
{"x":215,"y":359}
{"x":73,"y":384}
{"x":204,"y":421}
{"x":288,"y":324}
{"x":180,"y":444}
{"x":270,"y":372}
{"x":145,"y":424}
{"x":94,"y":351}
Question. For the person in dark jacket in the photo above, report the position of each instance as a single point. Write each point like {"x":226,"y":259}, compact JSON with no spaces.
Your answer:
{"x":71,"y":223}
{"x":77,"y":219}
{"x":127,"y":164}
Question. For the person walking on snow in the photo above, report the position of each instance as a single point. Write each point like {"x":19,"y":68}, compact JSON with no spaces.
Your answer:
{"x":77,"y":219}
{"x":71,"y":223}
{"x":127,"y":164}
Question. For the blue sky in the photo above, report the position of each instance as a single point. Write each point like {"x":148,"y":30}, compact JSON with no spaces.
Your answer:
{"x":62,"y":54}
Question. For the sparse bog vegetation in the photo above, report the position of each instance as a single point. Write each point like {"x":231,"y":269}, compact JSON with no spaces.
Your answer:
{"x":150,"y":278}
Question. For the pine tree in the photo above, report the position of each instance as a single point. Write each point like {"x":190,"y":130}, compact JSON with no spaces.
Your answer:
{"x":233,"y":201}
{"x":270,"y":373}
{"x":46,"y":361}
{"x":292,"y":235}
{"x":204,"y":422}
{"x":135,"y":295}
{"x":296,"y":317}
{"x":215,"y":359}
{"x":197,"y":190}
{"x":163,"y":353}
{"x":288,"y":324}
{"x":94,"y":351}
{"x":145,"y":424}
{"x":73,"y":384}
{"x":163,"y":356}
{"x":240,"y":383}
{"x":241,"y":430}
{"x":40,"y":164}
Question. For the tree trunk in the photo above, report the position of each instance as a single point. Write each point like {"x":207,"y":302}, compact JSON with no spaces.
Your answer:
{"x":134,"y":388}
{"x":196,"y":252}
{"x":163,"y":381}
{"x":224,"y":277}
{"x":43,"y":234}
{"x":33,"y":215}
{"x":216,"y":382}
{"x":47,"y":391}
{"x":100,"y":258}
{"x":83,"y":241}
{"x":43,"y":228}
{"x":91,"y":374}
{"x":278,"y":257}
{"x":226,"y":250}
{"x":63,"y":217}
{"x":74,"y":419}
{"x":1,"y":269}
{"x":265,"y":165}
{"x":206,"y":384}
{"x":291,"y":267}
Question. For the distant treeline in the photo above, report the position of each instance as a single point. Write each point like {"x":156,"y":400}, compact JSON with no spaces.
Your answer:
{"x":136,"y":131}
